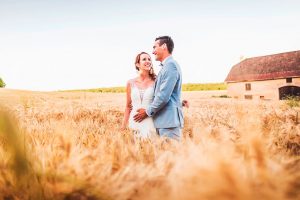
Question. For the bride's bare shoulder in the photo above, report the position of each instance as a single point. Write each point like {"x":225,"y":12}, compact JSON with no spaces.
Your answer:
{"x":132,"y":81}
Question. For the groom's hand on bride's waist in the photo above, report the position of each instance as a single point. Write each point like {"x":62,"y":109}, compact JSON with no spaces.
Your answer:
{"x":141,"y":115}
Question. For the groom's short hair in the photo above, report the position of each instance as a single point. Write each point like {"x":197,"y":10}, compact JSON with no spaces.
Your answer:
{"x":166,"y":40}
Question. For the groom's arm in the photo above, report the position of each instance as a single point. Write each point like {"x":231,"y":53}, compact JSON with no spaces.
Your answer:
{"x":168,"y":82}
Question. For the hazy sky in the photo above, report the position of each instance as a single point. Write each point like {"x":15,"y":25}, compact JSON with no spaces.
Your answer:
{"x":60,"y":44}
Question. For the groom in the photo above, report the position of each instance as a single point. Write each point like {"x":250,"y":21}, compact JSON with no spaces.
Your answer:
{"x":166,"y":108}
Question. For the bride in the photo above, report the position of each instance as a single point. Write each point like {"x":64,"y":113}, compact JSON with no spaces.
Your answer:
{"x":139,"y":95}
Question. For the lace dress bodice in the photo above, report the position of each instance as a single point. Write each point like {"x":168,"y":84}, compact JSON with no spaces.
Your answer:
{"x":141,"y":98}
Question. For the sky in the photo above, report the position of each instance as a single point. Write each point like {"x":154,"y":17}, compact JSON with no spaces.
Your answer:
{"x":48,"y":45}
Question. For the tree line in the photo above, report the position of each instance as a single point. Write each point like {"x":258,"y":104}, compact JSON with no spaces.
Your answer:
{"x":2,"y":84}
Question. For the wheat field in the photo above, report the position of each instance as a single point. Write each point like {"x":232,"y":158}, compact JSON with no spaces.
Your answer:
{"x":69,"y":145}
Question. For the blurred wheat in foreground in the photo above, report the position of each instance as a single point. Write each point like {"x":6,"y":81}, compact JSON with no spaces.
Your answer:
{"x":69,"y":146}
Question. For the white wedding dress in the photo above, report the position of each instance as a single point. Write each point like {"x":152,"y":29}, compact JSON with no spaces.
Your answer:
{"x":141,"y":98}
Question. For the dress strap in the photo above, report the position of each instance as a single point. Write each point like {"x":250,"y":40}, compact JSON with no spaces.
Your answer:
{"x":132,"y":83}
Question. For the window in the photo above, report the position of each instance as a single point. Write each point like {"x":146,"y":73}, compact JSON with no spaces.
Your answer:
{"x":289,"y":80}
{"x":248,"y":96}
{"x":262,"y":97}
{"x":248,"y":86}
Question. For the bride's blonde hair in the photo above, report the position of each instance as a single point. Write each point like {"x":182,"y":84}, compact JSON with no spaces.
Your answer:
{"x":137,"y":61}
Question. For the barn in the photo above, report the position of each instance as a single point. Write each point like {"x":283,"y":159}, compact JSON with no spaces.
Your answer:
{"x":270,"y":77}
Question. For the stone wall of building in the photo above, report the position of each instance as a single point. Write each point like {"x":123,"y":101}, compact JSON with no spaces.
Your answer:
{"x":268,"y":90}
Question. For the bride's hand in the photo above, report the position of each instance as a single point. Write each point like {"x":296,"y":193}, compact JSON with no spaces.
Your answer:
{"x":185,"y":103}
{"x":123,"y":127}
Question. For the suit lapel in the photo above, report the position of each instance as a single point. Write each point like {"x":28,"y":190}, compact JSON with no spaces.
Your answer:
{"x":155,"y":84}
{"x":157,"y":80}
{"x":159,"y":74}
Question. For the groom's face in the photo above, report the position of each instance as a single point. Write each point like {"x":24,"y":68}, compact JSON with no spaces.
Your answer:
{"x":158,"y":51}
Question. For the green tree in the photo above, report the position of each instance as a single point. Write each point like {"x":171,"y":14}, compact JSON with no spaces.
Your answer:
{"x":2,"y":84}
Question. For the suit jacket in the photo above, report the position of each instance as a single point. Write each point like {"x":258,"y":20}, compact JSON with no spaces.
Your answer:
{"x":166,"y":108}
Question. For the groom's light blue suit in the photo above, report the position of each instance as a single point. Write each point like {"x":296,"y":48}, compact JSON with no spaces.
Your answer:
{"x":166,"y":108}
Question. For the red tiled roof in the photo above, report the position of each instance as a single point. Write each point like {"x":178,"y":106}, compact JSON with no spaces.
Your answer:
{"x":282,"y":65}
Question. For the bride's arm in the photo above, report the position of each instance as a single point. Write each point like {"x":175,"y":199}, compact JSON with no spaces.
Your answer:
{"x":128,"y":106}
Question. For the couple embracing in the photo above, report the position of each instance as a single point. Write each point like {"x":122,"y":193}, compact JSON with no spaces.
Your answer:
{"x":153,"y":104}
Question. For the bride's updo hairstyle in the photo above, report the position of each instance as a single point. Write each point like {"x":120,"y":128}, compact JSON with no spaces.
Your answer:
{"x":137,"y":61}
